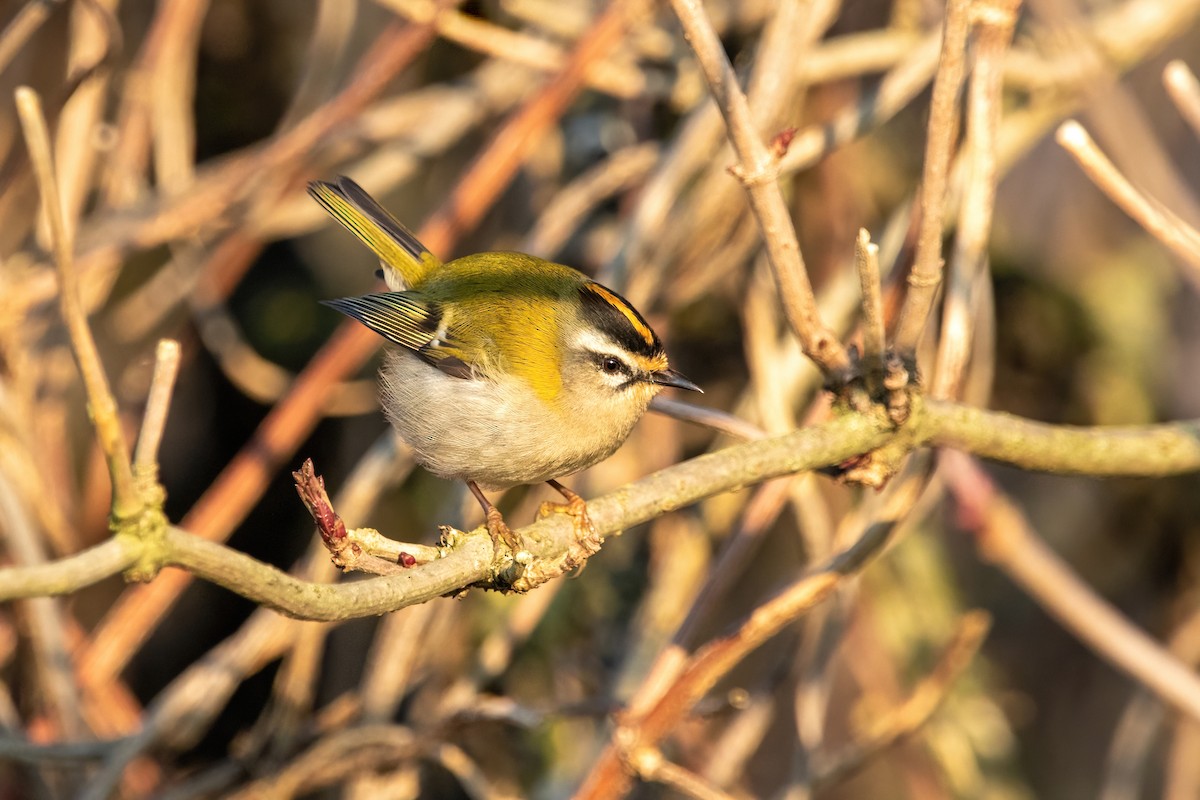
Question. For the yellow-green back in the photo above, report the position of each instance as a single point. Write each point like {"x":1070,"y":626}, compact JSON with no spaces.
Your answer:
{"x":503,"y":307}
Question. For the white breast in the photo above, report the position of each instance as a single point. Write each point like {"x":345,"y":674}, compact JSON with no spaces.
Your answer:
{"x":498,"y":434}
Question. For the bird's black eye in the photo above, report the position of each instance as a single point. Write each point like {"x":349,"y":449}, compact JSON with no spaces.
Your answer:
{"x":612,"y":365}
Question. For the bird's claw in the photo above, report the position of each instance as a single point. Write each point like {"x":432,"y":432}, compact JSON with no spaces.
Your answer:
{"x":586,"y":542}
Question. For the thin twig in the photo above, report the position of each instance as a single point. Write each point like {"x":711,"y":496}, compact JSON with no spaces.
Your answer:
{"x":1006,"y":540}
{"x":21,"y":27}
{"x":713,"y":418}
{"x":610,"y":778}
{"x":361,"y":549}
{"x":46,"y":617}
{"x":866,"y":262}
{"x":1184,"y":89}
{"x":101,"y":404}
{"x":757,"y":169}
{"x":38,"y":753}
{"x":69,"y":575}
{"x":897,"y":88}
{"x":607,"y":75}
{"x":926,"y":274}
{"x":650,"y":765}
{"x":1180,"y":238}
{"x":172,"y":97}
{"x":96,"y":42}
{"x":925,"y":698}
{"x":158,"y":403}
{"x":994,"y":21}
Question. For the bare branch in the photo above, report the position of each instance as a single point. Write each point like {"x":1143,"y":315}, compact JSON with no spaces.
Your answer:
{"x":926,"y":274}
{"x":1167,"y":449}
{"x":69,"y":575}
{"x":916,"y":710}
{"x":651,"y":765}
{"x":1181,"y":83}
{"x":994,"y":22}
{"x":757,"y":169}
{"x":866,"y":262}
{"x":1182,"y":239}
{"x":158,"y":403}
{"x":1006,"y":540}
{"x":100,"y":399}
{"x":21,"y":27}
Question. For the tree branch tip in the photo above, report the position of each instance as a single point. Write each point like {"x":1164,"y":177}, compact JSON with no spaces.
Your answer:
{"x":311,"y":488}
{"x":167,"y":350}
{"x":1072,"y":135}
{"x":27,"y":98}
{"x":1178,"y":74}
{"x":864,"y":240}
{"x":781,"y":141}
{"x":645,"y":761}
{"x":994,"y":13}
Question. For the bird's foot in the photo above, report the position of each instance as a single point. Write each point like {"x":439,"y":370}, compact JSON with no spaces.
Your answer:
{"x":503,"y":537}
{"x":512,"y":559}
{"x":586,"y":542}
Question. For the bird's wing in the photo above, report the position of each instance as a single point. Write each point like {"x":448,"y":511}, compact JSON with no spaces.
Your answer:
{"x":418,"y":325}
{"x":405,"y":260}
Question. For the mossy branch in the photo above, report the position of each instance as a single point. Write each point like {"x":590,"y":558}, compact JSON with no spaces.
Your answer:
{"x":469,"y":560}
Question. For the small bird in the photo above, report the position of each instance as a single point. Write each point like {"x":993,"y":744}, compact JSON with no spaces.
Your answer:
{"x":510,"y":369}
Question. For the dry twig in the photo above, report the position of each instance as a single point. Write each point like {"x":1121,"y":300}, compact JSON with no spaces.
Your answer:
{"x":757,"y":170}
{"x":926,"y":274}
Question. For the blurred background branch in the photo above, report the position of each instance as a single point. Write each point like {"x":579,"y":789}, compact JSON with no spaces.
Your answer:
{"x":181,"y":134}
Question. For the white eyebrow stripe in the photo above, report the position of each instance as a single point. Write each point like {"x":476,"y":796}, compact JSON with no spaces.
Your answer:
{"x":595,"y":343}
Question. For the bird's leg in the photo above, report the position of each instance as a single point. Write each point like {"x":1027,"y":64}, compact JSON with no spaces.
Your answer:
{"x":587,"y":542}
{"x":499,"y":531}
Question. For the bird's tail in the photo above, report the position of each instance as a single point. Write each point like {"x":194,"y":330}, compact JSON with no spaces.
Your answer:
{"x":406,"y":262}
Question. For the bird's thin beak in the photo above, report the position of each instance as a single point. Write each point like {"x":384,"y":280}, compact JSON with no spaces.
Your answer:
{"x":670,"y":377}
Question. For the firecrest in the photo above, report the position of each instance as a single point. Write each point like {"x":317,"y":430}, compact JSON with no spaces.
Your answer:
{"x":510,"y":369}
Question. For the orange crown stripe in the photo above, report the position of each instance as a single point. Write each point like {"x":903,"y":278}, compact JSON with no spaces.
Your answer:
{"x":619,"y":304}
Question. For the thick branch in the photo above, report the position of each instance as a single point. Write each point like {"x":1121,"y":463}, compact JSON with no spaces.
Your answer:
{"x":1165,"y":449}
{"x":470,"y":561}
{"x":72,"y":573}
{"x":1143,"y":450}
